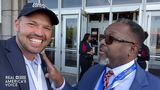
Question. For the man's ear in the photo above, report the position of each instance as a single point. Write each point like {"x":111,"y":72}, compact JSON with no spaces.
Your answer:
{"x":132,"y":52}
{"x":16,"y":25}
{"x":134,"y":49}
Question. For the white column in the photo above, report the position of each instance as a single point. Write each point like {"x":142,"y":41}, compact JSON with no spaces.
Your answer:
{"x":110,"y":12}
{"x":144,"y":14}
{"x":58,"y":39}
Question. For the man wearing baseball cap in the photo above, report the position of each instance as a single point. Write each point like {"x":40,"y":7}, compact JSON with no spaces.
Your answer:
{"x":21,"y":65}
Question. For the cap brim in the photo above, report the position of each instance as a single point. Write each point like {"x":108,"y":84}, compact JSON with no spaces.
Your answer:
{"x":52,"y":15}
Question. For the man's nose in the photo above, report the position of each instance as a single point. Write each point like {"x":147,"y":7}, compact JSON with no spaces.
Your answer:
{"x":39,"y":31}
{"x":102,"y":43}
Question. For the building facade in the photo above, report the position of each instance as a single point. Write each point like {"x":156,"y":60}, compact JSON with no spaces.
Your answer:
{"x":80,"y":16}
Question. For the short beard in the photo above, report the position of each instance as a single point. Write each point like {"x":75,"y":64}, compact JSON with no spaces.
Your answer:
{"x":103,"y":61}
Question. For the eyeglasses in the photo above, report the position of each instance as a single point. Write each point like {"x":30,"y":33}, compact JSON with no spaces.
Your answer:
{"x":109,"y":40}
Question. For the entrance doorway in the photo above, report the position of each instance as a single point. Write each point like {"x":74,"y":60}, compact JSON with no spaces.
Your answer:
{"x":69,"y":44}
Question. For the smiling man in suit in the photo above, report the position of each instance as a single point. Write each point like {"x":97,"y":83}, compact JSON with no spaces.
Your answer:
{"x":120,"y":47}
{"x":21,"y":65}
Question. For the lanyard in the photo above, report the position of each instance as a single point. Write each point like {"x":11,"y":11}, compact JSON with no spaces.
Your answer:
{"x":118,"y":78}
{"x":37,"y":81}
{"x":121,"y":76}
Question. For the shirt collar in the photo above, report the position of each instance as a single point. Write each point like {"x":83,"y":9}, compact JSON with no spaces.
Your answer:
{"x":121,"y":68}
{"x":37,"y":60}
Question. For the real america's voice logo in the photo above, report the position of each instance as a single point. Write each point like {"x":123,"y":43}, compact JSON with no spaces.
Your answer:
{"x":13,"y":81}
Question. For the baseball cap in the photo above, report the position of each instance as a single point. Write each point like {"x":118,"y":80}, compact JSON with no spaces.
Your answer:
{"x":30,"y":8}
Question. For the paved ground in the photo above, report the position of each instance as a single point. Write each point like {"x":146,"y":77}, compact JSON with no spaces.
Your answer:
{"x":72,"y":78}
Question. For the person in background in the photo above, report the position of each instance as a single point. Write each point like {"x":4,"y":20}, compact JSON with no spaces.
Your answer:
{"x":121,"y":44}
{"x":86,"y":54}
{"x":144,"y":55}
{"x":21,"y":64}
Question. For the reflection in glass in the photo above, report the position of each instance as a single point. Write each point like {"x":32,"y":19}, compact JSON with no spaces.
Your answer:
{"x":71,"y":59}
{"x":50,"y":50}
{"x":97,"y":2}
{"x":128,"y":15}
{"x":126,"y":1}
{"x":155,"y":35}
{"x":153,"y":0}
{"x":71,"y":42}
{"x":32,"y":1}
{"x":71,"y":3}
{"x":52,"y":43}
{"x":71,"y":33}
{"x":51,"y":3}
{"x":106,"y":16}
{"x":50,"y":54}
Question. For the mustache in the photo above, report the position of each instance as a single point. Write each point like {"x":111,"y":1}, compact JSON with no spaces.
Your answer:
{"x":103,"y":61}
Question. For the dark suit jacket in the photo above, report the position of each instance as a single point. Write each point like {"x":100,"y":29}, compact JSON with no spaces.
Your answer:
{"x":143,"y":80}
{"x":13,"y":68}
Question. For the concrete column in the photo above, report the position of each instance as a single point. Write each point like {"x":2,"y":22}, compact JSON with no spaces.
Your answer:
{"x":0,"y":21}
{"x":0,"y":14}
{"x":6,"y":18}
{"x":10,"y":10}
{"x":15,"y":9}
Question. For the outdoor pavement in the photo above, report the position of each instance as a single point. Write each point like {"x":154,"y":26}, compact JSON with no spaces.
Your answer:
{"x":70,"y":78}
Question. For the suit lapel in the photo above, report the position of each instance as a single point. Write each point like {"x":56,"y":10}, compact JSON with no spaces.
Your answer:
{"x":96,"y":76}
{"x":16,"y":60}
{"x":44,"y":68}
{"x":140,"y":79}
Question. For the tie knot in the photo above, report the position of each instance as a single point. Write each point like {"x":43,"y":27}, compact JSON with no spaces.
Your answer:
{"x":109,"y":73}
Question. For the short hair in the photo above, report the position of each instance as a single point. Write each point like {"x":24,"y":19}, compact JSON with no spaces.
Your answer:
{"x":136,"y":29}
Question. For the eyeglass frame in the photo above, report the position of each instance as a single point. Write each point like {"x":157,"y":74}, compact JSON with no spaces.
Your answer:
{"x":111,"y":39}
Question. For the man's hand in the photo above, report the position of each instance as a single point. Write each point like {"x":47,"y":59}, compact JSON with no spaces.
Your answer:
{"x":53,"y":74}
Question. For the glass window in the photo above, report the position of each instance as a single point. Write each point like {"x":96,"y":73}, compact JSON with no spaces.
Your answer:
{"x":115,"y":16}
{"x":50,"y":54}
{"x":71,"y":42}
{"x":51,"y":3}
{"x":106,"y":16}
{"x":128,"y":15}
{"x":155,"y":35}
{"x":32,"y":1}
{"x":50,"y":50}
{"x":97,"y":2}
{"x":52,"y":43}
{"x":71,"y":3}
{"x":153,"y":0}
{"x":126,"y":1}
{"x":95,"y":17}
{"x":71,"y":33}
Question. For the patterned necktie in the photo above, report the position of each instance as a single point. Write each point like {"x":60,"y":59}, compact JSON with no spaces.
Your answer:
{"x":106,"y":79}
